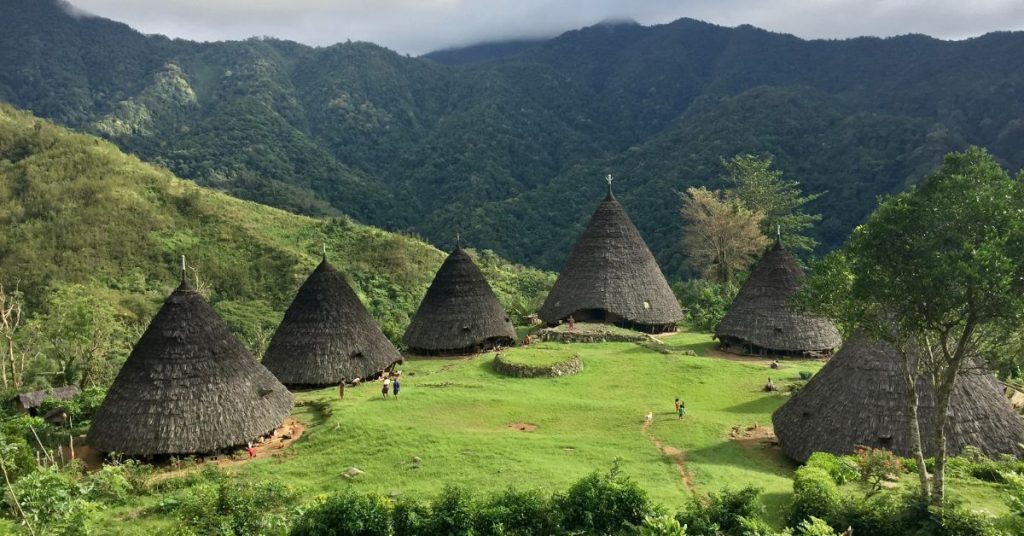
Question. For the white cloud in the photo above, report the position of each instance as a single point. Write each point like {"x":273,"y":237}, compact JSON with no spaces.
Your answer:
{"x":418,"y":26}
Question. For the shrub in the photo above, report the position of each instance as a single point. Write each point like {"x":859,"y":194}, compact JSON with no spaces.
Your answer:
{"x":515,"y":513}
{"x":729,"y":513}
{"x":242,"y":508}
{"x":882,"y":514}
{"x":805,"y":375}
{"x":346,"y":514}
{"x":814,"y":494}
{"x":603,"y":503}
{"x":109,"y":484}
{"x":661,"y":525}
{"x":17,"y":456}
{"x":958,"y":521}
{"x":52,"y":502}
{"x":705,"y":302}
{"x":841,"y":469}
{"x":410,"y":518}
{"x":876,"y":465}
{"x":813,"y":526}
{"x":452,"y":512}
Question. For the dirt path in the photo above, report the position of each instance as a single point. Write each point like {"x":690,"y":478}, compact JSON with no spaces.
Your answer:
{"x":673,"y":454}
{"x":283,"y":437}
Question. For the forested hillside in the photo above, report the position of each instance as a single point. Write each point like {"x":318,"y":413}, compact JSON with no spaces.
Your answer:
{"x":91,"y":239}
{"x":508,"y":143}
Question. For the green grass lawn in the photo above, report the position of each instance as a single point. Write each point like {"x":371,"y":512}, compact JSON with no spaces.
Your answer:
{"x":455,"y":415}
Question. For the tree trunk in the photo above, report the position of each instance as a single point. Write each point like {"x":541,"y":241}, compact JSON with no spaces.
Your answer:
{"x":942,"y":396}
{"x":910,"y":379}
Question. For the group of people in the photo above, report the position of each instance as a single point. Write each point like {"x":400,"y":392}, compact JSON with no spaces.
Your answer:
{"x":680,"y":408}
{"x":391,"y":384}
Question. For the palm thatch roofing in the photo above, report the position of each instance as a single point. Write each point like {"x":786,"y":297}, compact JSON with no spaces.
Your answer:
{"x":859,"y":399}
{"x":611,"y":276}
{"x":459,"y":313}
{"x":327,"y":335}
{"x":30,"y":401}
{"x":762,"y":318}
{"x":188,"y":387}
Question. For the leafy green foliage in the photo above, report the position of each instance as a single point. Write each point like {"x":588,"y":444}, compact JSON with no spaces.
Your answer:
{"x":761,"y":189}
{"x":704,"y":302}
{"x":53,"y":501}
{"x":814,"y":494}
{"x":346,"y":514}
{"x":234,"y":508}
{"x":603,"y":503}
{"x":502,"y":148}
{"x":730,"y":513}
{"x":515,"y":513}
{"x":92,"y":282}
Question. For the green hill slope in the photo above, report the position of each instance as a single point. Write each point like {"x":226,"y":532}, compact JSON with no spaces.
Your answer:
{"x":76,"y":211}
{"x":413,"y":144}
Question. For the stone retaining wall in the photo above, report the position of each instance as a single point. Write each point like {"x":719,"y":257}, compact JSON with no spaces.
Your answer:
{"x":573,"y":365}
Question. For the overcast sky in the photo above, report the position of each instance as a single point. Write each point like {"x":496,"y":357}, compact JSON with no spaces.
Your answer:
{"x":419,"y":26}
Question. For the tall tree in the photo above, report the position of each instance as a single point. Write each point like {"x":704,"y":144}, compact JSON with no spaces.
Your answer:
{"x":754,"y":183}
{"x":933,"y":271}
{"x":721,"y":237}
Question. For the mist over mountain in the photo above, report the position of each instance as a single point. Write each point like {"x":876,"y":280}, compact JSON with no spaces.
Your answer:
{"x":507,"y":143}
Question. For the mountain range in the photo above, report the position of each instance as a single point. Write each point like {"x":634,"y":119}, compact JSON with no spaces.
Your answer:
{"x":507,"y":144}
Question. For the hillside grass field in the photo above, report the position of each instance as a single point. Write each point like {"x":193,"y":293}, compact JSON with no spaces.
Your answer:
{"x":459,"y":418}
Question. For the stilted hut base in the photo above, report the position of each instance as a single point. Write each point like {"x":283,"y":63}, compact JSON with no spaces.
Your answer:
{"x":494,"y":343}
{"x":601,"y":316}
{"x":741,"y":347}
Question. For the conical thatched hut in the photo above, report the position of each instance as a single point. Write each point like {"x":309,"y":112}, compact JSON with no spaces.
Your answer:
{"x":327,"y":335}
{"x":188,"y":387}
{"x":459,"y":314}
{"x":761,"y":320}
{"x":612,"y":277}
{"x":859,"y":399}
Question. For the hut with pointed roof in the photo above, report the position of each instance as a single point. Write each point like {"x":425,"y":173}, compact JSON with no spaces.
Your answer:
{"x":327,"y":336}
{"x":859,"y":399}
{"x":188,"y":387}
{"x":762,"y":319}
{"x":612,"y":277}
{"x":459,"y":314}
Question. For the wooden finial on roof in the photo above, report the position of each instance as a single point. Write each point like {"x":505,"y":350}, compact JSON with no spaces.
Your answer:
{"x":182,"y":268}
{"x":609,"y":179}
{"x":324,"y":246}
{"x":458,"y":240}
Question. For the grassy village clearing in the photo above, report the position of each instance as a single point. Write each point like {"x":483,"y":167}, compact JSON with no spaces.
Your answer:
{"x":463,"y":422}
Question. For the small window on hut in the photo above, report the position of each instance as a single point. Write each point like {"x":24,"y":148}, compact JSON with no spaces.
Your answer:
{"x":885,"y":441}
{"x":358,"y":355}
{"x":465,"y":328}
{"x":806,"y":415}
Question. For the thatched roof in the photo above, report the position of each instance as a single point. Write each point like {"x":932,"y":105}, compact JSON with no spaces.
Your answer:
{"x":34,"y":399}
{"x":762,"y":316}
{"x":859,"y":398}
{"x":327,"y":335}
{"x":612,"y":270}
{"x":188,"y":387}
{"x":459,"y":312}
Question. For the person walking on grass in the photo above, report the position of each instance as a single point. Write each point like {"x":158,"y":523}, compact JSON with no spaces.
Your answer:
{"x":395,"y":386}
{"x":384,"y":389}
{"x":681,"y":409}
{"x":341,"y":389}
{"x":677,"y":405}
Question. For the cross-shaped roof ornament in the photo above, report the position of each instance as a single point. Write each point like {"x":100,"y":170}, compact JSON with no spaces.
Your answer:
{"x":609,"y":179}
